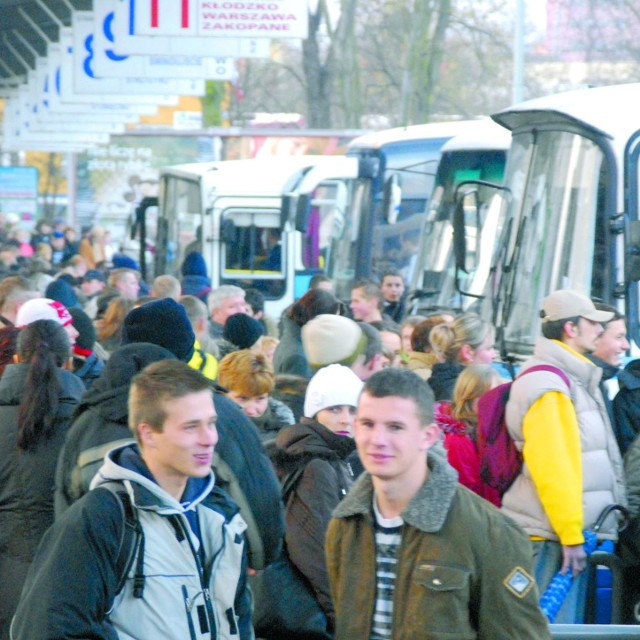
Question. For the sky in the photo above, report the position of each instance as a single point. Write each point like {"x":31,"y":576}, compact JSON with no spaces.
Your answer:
{"x":537,"y":12}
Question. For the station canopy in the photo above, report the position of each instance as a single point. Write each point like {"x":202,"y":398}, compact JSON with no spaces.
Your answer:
{"x":26,"y":26}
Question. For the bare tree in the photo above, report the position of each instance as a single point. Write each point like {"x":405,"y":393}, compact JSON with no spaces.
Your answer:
{"x":406,"y":61}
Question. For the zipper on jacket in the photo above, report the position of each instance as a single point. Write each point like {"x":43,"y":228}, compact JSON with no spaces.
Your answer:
{"x":213,"y":626}
{"x":188,"y":605}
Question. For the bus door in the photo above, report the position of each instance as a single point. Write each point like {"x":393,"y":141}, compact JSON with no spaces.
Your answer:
{"x":317,"y":223}
{"x":178,"y":225}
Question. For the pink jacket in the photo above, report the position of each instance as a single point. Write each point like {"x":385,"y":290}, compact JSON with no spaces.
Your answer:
{"x":462,"y":453}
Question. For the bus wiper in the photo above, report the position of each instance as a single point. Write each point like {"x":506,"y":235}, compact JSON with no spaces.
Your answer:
{"x":410,"y":168}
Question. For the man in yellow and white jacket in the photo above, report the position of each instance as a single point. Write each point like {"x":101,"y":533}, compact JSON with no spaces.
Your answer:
{"x":572,"y":467}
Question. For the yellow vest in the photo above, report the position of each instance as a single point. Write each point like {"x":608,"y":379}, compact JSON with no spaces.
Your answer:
{"x":204,"y":362}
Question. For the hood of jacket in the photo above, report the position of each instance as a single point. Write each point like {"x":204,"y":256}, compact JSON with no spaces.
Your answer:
{"x":125,"y":464}
{"x":276,"y":416}
{"x":13,"y":382}
{"x":110,"y":392}
{"x":427,"y":510}
{"x":447,"y":423}
{"x":306,"y":440}
{"x":629,"y":377}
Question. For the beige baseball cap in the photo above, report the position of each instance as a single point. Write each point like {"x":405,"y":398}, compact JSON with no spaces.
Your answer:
{"x":566,"y":303}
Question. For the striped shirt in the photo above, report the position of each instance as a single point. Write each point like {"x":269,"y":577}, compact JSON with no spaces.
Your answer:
{"x":388,"y":534}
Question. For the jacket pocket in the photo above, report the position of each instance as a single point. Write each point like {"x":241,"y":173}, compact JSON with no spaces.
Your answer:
{"x":442,"y":601}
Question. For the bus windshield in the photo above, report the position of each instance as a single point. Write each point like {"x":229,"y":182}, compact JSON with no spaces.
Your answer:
{"x":368,"y":242}
{"x":435,"y":274}
{"x":558,"y":220}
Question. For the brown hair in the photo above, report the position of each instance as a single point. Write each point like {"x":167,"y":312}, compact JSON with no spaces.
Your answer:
{"x":247,"y":373}
{"x":113,"y":319}
{"x":157,"y":383}
{"x":420,"y":336}
{"x":313,"y":303}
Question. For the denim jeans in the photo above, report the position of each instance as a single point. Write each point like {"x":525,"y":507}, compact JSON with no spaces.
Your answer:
{"x":547,"y":560}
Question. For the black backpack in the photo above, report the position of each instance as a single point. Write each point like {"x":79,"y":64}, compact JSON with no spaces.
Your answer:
{"x":132,"y":541}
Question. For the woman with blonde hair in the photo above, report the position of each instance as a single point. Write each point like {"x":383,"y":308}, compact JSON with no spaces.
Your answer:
{"x":457,"y":421}
{"x":467,"y":340}
{"x":109,"y":327}
{"x":248,"y":376}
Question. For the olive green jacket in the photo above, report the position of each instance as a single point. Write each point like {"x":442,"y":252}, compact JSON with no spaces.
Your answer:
{"x":464,"y":570}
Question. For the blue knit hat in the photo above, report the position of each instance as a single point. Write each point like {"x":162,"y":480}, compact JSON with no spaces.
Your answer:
{"x":164,"y":323}
{"x":194,"y":265}
{"x":63,"y":292}
{"x":123,"y":261}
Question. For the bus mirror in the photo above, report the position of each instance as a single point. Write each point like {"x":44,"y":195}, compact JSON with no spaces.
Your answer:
{"x":287,"y":208}
{"x":368,"y":168}
{"x":228,"y":231}
{"x":392,"y":199}
{"x":303,"y":212}
{"x":466,"y":203}
{"x":632,"y":267}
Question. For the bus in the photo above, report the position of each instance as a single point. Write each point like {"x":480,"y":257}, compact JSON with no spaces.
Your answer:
{"x":242,"y":213}
{"x":570,"y":218}
{"x":388,"y":201}
{"x":475,"y":159}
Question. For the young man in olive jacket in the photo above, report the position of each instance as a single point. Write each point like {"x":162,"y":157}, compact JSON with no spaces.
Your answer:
{"x":410,"y":552}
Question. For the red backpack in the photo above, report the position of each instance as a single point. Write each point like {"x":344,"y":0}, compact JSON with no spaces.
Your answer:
{"x":500,"y":460}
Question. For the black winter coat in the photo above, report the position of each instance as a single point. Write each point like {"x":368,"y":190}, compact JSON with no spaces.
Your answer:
{"x":626,"y":406}
{"x":26,"y":484}
{"x":324,"y":482}
{"x":289,"y":357}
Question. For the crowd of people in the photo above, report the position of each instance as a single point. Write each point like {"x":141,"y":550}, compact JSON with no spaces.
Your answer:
{"x":167,"y":448}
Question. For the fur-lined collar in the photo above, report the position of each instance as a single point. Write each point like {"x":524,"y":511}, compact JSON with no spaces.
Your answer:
{"x":429,"y":508}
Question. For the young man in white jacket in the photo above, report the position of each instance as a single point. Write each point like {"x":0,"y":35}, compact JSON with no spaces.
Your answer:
{"x":187,"y":579}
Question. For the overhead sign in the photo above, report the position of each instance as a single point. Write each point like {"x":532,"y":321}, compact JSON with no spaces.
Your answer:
{"x":107,"y":64}
{"x":19,"y":190}
{"x":125,"y":41}
{"x":80,"y":56}
{"x":220,"y":18}
{"x":48,"y":94}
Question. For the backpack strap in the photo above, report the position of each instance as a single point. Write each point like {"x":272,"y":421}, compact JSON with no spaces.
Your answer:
{"x":551,"y":369}
{"x":290,"y":481}
{"x":132,"y":542}
{"x":87,"y":465}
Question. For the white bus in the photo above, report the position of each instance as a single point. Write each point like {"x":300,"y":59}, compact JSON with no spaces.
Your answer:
{"x":472,"y":160}
{"x":263,"y":223}
{"x":571,"y":219}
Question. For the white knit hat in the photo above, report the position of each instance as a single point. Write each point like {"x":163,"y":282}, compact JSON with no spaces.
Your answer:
{"x":43,"y":309}
{"x":330,"y":387}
